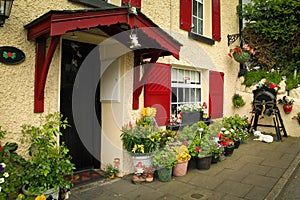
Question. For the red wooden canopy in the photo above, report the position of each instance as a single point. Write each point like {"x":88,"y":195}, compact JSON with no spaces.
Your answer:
{"x":110,"y":20}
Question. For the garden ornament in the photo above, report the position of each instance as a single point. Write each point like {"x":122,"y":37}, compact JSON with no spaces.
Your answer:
{"x":262,"y":137}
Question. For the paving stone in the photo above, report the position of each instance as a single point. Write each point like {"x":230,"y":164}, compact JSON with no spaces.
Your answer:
{"x":257,"y":193}
{"x":206,"y":182}
{"x":258,"y":180}
{"x":255,"y":169}
{"x":234,"y":188}
{"x":275,"y":172}
{"x":233,"y":175}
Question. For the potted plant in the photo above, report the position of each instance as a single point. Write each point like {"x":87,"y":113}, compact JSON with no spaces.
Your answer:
{"x":112,"y":171}
{"x":12,"y":167}
{"x":164,"y":160}
{"x":201,"y":150}
{"x":227,"y":141}
{"x":190,"y":113}
{"x":183,"y":156}
{"x":238,"y":101}
{"x":48,"y":162}
{"x":217,"y":152}
{"x":141,"y":140}
{"x":287,"y":104}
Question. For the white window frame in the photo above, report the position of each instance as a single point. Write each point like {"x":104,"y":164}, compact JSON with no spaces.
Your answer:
{"x":198,"y":28}
{"x":186,"y":83}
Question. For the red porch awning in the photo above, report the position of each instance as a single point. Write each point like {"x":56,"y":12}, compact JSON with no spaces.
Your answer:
{"x":110,"y":20}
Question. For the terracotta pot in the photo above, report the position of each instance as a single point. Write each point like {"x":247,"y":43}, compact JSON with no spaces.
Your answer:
{"x":180,"y":169}
{"x":287,"y":109}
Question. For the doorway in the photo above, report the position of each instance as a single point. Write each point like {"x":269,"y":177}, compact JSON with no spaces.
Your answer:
{"x":73,"y":54}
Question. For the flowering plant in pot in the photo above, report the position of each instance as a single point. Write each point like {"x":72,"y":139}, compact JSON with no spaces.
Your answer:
{"x":12,"y":166}
{"x":286,"y":103}
{"x":164,"y":160}
{"x":183,"y":156}
{"x":48,"y":162}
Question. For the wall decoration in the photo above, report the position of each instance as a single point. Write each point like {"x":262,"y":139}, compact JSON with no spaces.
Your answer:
{"x":11,"y":55}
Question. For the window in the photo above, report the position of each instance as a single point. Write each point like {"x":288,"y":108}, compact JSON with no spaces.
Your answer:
{"x":197,"y":15}
{"x":186,"y":88}
{"x":202,"y":19}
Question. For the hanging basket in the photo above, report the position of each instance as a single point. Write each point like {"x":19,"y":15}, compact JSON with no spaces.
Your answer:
{"x":241,"y":57}
{"x":287,"y":109}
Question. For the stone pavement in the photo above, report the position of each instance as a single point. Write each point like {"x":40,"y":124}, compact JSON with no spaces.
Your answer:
{"x":256,"y":170}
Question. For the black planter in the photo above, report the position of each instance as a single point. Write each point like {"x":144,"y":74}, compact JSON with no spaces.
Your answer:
{"x":215,"y":159}
{"x":237,"y":143}
{"x":228,"y":151}
{"x":191,"y":117}
{"x":203,"y":162}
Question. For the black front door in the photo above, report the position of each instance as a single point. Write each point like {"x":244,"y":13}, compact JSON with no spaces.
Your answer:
{"x":73,"y":54}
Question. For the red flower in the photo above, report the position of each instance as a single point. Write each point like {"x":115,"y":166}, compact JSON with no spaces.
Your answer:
{"x":229,"y":54}
{"x":0,"y":148}
{"x":197,"y":149}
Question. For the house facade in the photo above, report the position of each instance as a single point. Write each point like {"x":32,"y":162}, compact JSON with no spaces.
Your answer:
{"x":100,"y":63}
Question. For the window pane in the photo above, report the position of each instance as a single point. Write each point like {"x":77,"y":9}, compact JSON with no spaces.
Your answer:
{"x":200,"y":10}
{"x":180,"y":76}
{"x":174,"y":75}
{"x":195,"y":7}
{"x":200,"y":27}
{"x":193,"y":95}
{"x":180,"y":95}
{"x":198,"y":95}
{"x":174,"y":95}
{"x":187,"y":95}
{"x":195,"y":28}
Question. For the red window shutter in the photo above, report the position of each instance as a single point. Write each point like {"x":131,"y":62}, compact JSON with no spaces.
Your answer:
{"x":216,"y":20}
{"x":216,"y":94}
{"x":157,"y":91}
{"x":186,"y":14}
{"x":135,"y":3}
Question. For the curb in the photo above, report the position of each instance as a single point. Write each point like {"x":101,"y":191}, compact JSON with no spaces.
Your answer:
{"x":276,"y":190}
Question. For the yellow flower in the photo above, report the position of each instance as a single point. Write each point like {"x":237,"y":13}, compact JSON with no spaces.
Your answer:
{"x":147,"y":112}
{"x":41,"y":197}
{"x":151,"y":138}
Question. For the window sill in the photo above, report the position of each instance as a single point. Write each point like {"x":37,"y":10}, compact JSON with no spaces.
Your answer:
{"x":201,"y":38}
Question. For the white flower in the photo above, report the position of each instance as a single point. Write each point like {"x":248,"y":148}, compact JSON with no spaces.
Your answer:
{"x":231,"y":130}
{"x":5,"y":174}
{"x":0,"y":189}
{"x":3,"y":165}
{"x":226,"y":132}
{"x":1,"y":180}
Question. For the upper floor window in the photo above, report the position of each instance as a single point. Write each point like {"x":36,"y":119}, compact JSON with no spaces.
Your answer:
{"x":202,"y":19}
{"x":197,"y":15}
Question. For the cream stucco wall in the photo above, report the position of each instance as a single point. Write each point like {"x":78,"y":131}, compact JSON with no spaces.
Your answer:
{"x":17,"y":81}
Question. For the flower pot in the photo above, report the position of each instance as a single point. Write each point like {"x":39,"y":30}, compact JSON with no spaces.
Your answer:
{"x":203,"y":162}
{"x":287,"y":109}
{"x":53,"y":192}
{"x":180,"y":169}
{"x":237,"y":143}
{"x":164,"y":174}
{"x":142,"y":161}
{"x":191,"y":117}
{"x":215,"y":159}
{"x":228,"y":151}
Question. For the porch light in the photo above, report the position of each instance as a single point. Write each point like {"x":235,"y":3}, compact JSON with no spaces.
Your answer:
{"x":5,"y":8}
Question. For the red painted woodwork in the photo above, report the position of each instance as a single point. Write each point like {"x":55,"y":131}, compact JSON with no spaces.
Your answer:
{"x":135,"y":3}
{"x":42,"y":68}
{"x":158,"y":91}
{"x":56,"y":23}
{"x":60,"y":22}
{"x":216,"y":94}
{"x":216,"y":20}
{"x":186,"y":14}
